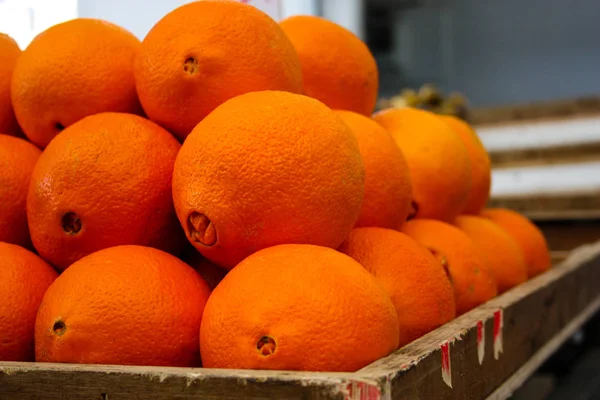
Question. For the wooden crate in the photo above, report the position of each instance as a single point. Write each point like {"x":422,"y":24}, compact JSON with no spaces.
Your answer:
{"x":544,"y":133}
{"x":554,"y":109}
{"x":545,"y":165}
{"x":484,"y":354}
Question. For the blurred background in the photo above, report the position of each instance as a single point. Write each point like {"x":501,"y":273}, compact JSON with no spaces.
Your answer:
{"x":494,"y":52}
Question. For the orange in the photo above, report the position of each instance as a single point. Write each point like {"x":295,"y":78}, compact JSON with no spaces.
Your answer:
{"x":17,"y":159}
{"x":24,"y":278}
{"x":414,"y":279}
{"x":211,"y":273}
{"x":267,"y":168}
{"x":387,"y":179}
{"x":9,"y":53}
{"x":74,"y":69}
{"x":469,"y":270}
{"x":206,"y":52}
{"x":278,"y":304}
{"x":102,"y":182}
{"x":128,"y":305}
{"x":481,"y":173}
{"x":337,"y":67}
{"x":501,"y":250}
{"x":439,"y":163}
{"x":529,"y":237}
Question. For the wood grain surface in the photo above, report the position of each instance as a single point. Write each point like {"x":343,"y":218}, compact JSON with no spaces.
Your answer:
{"x":548,"y":110}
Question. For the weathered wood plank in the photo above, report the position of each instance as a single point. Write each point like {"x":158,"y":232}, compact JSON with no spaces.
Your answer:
{"x":553,"y":205}
{"x":517,"y":325}
{"x":546,"y":134}
{"x":74,"y":382}
{"x":559,"y":256}
{"x":528,"y":369}
{"x":534,"y":111}
{"x":540,"y":156}
{"x":547,"y":182}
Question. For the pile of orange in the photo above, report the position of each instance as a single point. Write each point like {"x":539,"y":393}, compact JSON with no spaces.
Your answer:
{"x":220,"y":194}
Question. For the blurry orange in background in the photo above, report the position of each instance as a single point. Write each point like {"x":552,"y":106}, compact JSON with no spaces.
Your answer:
{"x":388,"y":189}
{"x":438,"y":161}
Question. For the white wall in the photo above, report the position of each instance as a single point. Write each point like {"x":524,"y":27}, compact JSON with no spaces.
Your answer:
{"x":298,"y":7}
{"x":24,"y":19}
{"x":138,"y":16}
{"x":348,"y":13}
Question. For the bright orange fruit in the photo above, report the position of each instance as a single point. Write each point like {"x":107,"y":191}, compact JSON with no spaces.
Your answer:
{"x":103,"y":182}
{"x":74,"y":69}
{"x":502,"y":251}
{"x":529,"y":237}
{"x":468,"y":269}
{"x":439,"y":163}
{"x":481,"y":173}
{"x":337,"y":67}
{"x":387,"y":178}
{"x":414,"y":279}
{"x":17,"y":160}
{"x":206,"y":52}
{"x":267,"y":168}
{"x":9,"y":53}
{"x":123,"y":305}
{"x":24,"y":278}
{"x":269,"y":309}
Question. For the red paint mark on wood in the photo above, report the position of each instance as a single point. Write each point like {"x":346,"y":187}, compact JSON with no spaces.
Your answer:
{"x":446,"y":364}
{"x":498,"y":328}
{"x":480,"y":341}
{"x":362,"y":391}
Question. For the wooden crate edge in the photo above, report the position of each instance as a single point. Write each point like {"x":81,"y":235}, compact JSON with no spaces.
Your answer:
{"x":486,"y":346}
{"x":49,"y":381}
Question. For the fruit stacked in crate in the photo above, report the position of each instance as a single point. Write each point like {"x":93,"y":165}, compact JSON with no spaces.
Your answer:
{"x":220,"y":194}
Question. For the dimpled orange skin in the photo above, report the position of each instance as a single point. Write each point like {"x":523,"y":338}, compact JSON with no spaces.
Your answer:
{"x":267,"y":168}
{"x":439,"y":164}
{"x":17,"y":160}
{"x":529,"y":237}
{"x":481,"y":173}
{"x":469,"y":270}
{"x":500,"y":249}
{"x":387,"y":178}
{"x":297,"y":296}
{"x":9,"y":53}
{"x":24,"y":278}
{"x":337,"y":67}
{"x":127,"y":305}
{"x":112,"y":171}
{"x":206,"y":52}
{"x":414,"y":279}
{"x":74,"y":69}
